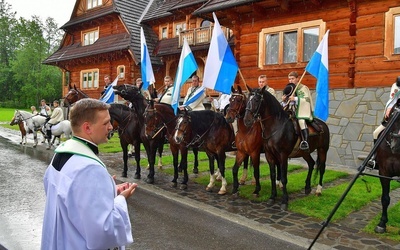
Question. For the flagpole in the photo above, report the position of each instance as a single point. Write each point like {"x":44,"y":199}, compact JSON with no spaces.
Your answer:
{"x":298,"y":83}
{"x":241,"y":76}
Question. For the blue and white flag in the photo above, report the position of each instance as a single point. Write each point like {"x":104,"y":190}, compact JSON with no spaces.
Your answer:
{"x":109,"y":96}
{"x":221,"y":67}
{"x":196,"y":95}
{"x":318,"y":67}
{"x":145,"y":63}
{"x":186,"y":67}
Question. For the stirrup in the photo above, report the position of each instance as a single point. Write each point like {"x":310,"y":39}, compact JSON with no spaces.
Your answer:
{"x":371,"y":164}
{"x":304,"y":145}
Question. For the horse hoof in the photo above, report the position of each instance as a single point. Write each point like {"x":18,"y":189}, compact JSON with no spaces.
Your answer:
{"x":270,"y":202}
{"x":380,"y":230}
{"x":256,"y":195}
{"x":318,"y":194}
{"x":284,"y":207}
{"x":242,"y":183}
{"x":150,"y":181}
{"x":20,"y":143}
{"x":195,"y":171}
{"x":235,"y":195}
{"x":160,"y":167}
{"x":174,"y":184}
{"x":222,"y":192}
{"x":183,"y":187}
{"x":137,"y":176}
{"x":124,"y":175}
{"x":307,"y":191}
{"x":34,"y":146}
{"x":209,"y":189}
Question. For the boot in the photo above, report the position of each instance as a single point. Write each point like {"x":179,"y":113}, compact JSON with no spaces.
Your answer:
{"x":371,"y":163}
{"x":304,"y":143}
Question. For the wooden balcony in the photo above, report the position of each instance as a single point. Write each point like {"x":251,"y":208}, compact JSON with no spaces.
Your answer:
{"x":200,"y":36}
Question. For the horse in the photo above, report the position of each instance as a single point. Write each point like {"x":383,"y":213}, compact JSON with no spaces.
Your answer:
{"x":248,"y":141}
{"x":388,"y":161}
{"x":209,"y":131}
{"x":74,"y":94}
{"x":36,"y":122}
{"x":281,"y":140}
{"x":22,"y":129}
{"x":139,"y":103}
{"x":159,"y":116}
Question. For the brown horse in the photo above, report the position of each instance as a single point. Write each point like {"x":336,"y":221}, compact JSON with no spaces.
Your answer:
{"x":248,"y":140}
{"x":159,"y":116}
{"x":22,"y":129}
{"x":388,"y":161}
{"x":74,"y":94}
{"x":134,"y":130}
{"x":281,"y":140}
{"x":209,"y":131}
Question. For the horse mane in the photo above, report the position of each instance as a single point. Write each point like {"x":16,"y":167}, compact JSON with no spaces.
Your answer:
{"x":273,"y":104}
{"x":202,"y":120}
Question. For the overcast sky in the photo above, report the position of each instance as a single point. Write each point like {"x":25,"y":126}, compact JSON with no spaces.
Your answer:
{"x":60,"y":10}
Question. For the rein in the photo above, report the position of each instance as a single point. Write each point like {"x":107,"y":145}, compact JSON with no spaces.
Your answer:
{"x":129,"y":117}
{"x":197,"y":138}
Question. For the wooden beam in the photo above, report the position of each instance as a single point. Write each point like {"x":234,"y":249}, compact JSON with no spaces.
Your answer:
{"x":284,"y":5}
{"x":316,"y":2}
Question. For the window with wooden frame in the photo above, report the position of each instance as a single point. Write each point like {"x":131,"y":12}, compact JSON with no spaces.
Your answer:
{"x":178,"y":27}
{"x":89,"y":37}
{"x":121,"y":71}
{"x":392,"y":34}
{"x":90,"y":79}
{"x":164,"y":32}
{"x":93,"y":3}
{"x":294,"y":43}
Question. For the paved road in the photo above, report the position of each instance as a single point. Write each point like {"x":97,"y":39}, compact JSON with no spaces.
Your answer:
{"x":160,"y":219}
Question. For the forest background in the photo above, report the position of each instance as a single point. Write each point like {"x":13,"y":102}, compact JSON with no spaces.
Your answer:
{"x":24,"y":45}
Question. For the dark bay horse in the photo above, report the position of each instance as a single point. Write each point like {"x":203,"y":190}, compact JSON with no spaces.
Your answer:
{"x":160,"y":116}
{"x":388,"y":160}
{"x":139,"y":103}
{"x":209,"y":131}
{"x":281,"y":141}
{"x":248,"y":140}
{"x":74,"y":94}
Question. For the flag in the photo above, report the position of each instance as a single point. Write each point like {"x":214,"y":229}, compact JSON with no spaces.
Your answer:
{"x":187,"y":65}
{"x":196,"y":95}
{"x":221,"y":67}
{"x":318,"y":67}
{"x":109,"y":96}
{"x":145,"y":63}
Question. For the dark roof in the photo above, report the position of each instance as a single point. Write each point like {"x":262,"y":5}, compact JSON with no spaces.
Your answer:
{"x":91,"y":14}
{"x":159,"y":9}
{"x":102,"y":45}
{"x":186,"y":3}
{"x":214,"y":5}
{"x":130,"y":13}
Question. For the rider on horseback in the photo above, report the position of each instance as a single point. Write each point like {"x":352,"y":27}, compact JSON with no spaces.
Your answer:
{"x":56,"y":117}
{"x":301,"y":102}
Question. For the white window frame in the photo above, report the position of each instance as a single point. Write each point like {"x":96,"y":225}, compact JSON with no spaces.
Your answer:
{"x":392,"y":34}
{"x":121,"y":72}
{"x":162,"y":34}
{"x":181,"y":26}
{"x":90,"y":79}
{"x":298,"y":28}
{"x":93,"y":3}
{"x":90,"y":37}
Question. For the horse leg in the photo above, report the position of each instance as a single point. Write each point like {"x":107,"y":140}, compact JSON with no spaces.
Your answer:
{"x":272,"y":175}
{"x":240,"y":157}
{"x":151,"y":150}
{"x":285,"y":196}
{"x":212,"y":176}
{"x":175,"y":155}
{"x":243,"y":179}
{"x":183,"y":167}
{"x":310,"y":162}
{"x":221,"y":166}
{"x":255,"y":159}
{"x":385,"y":201}
{"x":137,"y":159}
{"x":321,"y":167}
{"x":160,"y":151}
{"x":196,"y":161}
{"x":35,"y":140}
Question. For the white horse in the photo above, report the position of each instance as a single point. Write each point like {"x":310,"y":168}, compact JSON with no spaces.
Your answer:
{"x":35,"y":123}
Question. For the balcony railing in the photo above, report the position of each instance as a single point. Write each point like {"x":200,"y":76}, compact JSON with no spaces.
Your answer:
{"x":201,"y":35}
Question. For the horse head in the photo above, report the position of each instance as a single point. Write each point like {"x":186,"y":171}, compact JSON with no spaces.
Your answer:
{"x":16,"y":119}
{"x":253,"y":106}
{"x":237,"y":105}
{"x":182,"y":126}
{"x":394,"y":134}
{"x":152,"y":123}
{"x":74,"y":94}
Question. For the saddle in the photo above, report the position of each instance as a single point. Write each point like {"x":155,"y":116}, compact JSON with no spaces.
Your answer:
{"x":314,"y":126}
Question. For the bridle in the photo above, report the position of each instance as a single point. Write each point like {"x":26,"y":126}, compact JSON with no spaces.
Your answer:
{"x":237,"y":98}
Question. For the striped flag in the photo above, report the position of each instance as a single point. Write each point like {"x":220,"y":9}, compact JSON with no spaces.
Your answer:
{"x":109,"y":96}
{"x":196,"y":95}
{"x":318,"y":67}
{"x":221,"y":67}
{"x":186,"y":67}
{"x":145,"y":63}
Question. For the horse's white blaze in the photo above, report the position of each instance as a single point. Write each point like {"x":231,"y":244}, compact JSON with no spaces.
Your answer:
{"x":177,"y":138}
